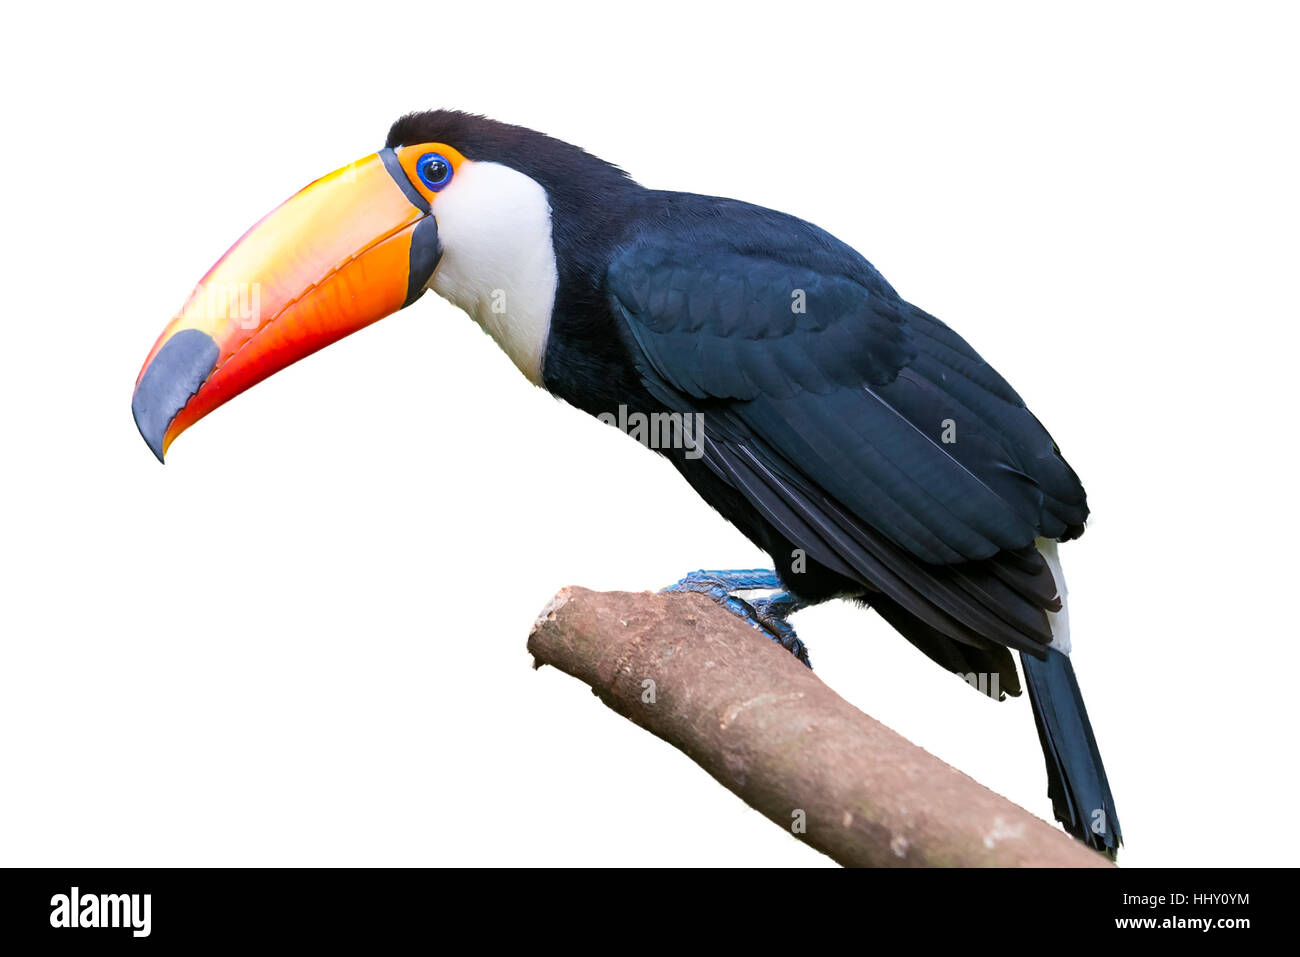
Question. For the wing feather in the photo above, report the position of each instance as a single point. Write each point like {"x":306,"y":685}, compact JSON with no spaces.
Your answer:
{"x":827,"y":400}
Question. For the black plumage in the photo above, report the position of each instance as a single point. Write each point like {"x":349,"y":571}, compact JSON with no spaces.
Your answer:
{"x":825,"y":397}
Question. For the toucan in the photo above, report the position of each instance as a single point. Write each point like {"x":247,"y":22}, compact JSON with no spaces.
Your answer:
{"x":856,"y":439}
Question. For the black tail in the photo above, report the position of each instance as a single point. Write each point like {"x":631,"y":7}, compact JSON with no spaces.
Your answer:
{"x":1076,"y":779}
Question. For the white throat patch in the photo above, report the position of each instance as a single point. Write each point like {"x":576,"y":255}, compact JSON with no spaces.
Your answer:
{"x":498,"y":262}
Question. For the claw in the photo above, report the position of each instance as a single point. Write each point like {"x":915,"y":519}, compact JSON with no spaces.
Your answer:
{"x":764,"y":614}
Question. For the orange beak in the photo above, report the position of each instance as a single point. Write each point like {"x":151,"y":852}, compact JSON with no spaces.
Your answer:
{"x":351,"y":248}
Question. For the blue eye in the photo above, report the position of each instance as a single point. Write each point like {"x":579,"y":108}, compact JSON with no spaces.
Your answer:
{"x":434,"y":170}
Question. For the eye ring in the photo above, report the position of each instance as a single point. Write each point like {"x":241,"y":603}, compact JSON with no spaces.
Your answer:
{"x":434,"y":170}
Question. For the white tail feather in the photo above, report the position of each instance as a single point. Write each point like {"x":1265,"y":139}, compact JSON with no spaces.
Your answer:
{"x":1059,"y":620}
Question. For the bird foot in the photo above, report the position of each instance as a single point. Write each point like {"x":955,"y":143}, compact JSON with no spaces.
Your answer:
{"x":767,"y":615}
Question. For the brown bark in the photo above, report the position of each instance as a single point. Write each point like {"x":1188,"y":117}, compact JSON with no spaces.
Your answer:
{"x":767,"y":728}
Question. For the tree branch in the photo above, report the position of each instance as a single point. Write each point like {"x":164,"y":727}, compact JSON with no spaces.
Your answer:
{"x":768,"y":729}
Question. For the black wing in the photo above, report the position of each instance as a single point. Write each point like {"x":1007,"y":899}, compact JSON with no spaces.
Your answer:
{"x":863,"y":428}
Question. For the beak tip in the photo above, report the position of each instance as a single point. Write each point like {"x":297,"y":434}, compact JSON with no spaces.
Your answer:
{"x":148,"y":431}
{"x":179,"y":369}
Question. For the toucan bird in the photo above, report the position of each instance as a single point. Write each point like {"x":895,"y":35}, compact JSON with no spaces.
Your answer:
{"x":856,"y":439}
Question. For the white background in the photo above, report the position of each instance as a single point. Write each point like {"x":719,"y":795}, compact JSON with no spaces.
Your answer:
{"x":302,"y":641}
